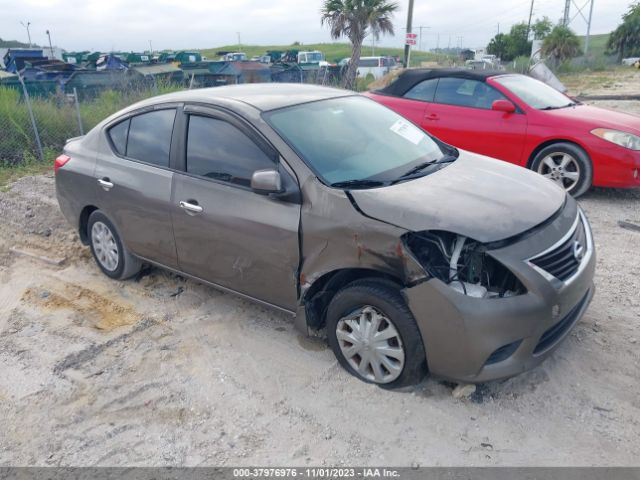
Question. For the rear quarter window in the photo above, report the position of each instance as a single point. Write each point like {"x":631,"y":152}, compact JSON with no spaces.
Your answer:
{"x":118,"y":136}
{"x":424,"y":90}
{"x":368,"y":62}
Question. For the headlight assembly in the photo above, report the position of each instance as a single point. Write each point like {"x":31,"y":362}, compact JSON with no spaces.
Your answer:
{"x":462,"y":263}
{"x":624,"y":139}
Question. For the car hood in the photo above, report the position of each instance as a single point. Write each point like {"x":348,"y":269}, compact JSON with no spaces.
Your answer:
{"x":475,"y":196}
{"x":595,"y":117}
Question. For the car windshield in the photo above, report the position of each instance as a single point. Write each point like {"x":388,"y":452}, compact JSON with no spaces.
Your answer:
{"x":356,"y":141}
{"x":535,"y":93}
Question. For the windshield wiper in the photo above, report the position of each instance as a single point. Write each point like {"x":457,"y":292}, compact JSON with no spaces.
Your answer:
{"x":358,"y":184}
{"x":551,"y":107}
{"x":418,"y":168}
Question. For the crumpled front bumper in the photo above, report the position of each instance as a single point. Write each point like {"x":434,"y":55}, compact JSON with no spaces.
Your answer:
{"x":463,"y":336}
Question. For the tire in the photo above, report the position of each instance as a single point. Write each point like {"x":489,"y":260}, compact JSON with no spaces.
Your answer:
{"x":369,"y":301}
{"x":108,"y":251}
{"x":568,"y":160}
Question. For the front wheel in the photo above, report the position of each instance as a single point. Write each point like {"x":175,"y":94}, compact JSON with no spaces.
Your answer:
{"x":374,"y":336}
{"x":567,"y":165}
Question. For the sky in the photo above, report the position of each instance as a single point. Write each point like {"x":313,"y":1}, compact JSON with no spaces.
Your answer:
{"x":185,"y":24}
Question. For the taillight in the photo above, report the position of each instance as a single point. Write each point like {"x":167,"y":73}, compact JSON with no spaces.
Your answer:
{"x":60,"y":162}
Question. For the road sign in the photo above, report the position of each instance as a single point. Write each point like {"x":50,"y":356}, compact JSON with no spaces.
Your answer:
{"x":411,"y":41}
{"x":412,"y":36}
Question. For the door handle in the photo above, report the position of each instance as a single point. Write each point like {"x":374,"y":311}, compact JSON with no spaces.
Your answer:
{"x":105,"y":184}
{"x":431,"y":116}
{"x":190,"y":207}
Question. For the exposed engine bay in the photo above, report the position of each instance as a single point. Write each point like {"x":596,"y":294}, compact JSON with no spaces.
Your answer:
{"x":463,"y":264}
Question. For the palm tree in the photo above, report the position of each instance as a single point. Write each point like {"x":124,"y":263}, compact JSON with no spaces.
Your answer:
{"x":561,"y":44}
{"x":353,"y":19}
{"x":625,"y":40}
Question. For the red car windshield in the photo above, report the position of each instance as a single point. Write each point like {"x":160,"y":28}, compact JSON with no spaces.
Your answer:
{"x":536,"y":94}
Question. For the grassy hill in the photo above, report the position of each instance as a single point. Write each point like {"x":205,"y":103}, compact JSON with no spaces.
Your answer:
{"x":333,"y":52}
{"x":597,"y":44}
{"x":12,"y":44}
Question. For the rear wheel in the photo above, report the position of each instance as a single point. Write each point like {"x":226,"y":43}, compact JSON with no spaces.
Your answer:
{"x":108,"y":250}
{"x":567,"y":165}
{"x":374,"y":335}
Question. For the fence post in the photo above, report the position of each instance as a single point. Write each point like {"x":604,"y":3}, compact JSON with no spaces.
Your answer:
{"x":33,"y":119}
{"x":75,"y":100}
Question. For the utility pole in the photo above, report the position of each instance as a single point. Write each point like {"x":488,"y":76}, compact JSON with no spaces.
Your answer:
{"x":150,"y":47}
{"x":566,"y":20}
{"x":50,"y":45}
{"x":239,"y":43}
{"x":586,"y":39}
{"x":530,"y":17}
{"x":28,"y":32}
{"x":420,"y":40}
{"x":567,"y":11}
{"x":407,"y":47}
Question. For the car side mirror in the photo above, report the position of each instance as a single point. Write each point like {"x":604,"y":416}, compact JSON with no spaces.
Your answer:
{"x":267,"y":181}
{"x":503,"y":106}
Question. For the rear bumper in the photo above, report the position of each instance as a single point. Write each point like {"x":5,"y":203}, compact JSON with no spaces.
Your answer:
{"x":475,"y":340}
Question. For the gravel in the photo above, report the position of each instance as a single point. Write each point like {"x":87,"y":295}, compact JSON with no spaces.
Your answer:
{"x":164,"y":371}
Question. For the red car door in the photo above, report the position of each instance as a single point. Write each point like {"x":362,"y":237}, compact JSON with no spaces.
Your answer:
{"x":461,"y":114}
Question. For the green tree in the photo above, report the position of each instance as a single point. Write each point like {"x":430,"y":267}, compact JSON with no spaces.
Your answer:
{"x":625,"y":40}
{"x":511,"y":45}
{"x":498,"y":46}
{"x":541,"y":28}
{"x":561,"y":44}
{"x":354,"y":19}
{"x":519,"y":43}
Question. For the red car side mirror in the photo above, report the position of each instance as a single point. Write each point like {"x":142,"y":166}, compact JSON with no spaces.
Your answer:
{"x":503,"y":106}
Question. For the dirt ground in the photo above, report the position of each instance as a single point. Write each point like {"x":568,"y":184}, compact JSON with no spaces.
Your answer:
{"x":164,"y":371}
{"x":620,"y":81}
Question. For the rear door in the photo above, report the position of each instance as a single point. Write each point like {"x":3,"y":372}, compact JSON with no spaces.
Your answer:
{"x":461,"y":114}
{"x":134,"y":182}
{"x":239,"y":239}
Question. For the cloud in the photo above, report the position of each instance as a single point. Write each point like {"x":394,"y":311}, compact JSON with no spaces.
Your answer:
{"x":178,"y":24}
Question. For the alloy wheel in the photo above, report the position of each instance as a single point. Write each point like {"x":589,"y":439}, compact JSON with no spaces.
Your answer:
{"x":105,"y":246}
{"x":561,"y":168}
{"x":371,"y":344}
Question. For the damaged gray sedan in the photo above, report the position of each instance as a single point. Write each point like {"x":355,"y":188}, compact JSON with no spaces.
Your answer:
{"x":414,"y":256}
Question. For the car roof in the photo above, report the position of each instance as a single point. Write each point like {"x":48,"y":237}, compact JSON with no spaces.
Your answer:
{"x":262,"y":96}
{"x":411,"y":77}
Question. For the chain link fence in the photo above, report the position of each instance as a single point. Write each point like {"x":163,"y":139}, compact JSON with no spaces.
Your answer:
{"x":37,"y":117}
{"x":34,"y":126}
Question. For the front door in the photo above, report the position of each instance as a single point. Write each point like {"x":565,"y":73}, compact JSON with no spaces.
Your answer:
{"x":226,"y":233}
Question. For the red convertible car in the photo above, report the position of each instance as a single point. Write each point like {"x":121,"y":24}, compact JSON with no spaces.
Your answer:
{"x":523,"y":121}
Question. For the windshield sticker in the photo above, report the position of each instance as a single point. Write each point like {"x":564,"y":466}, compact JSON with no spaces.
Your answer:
{"x":407,"y":131}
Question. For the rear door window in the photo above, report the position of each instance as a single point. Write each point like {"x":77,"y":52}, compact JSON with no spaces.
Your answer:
{"x":150,"y":137}
{"x":424,"y":91}
{"x":218,"y":150}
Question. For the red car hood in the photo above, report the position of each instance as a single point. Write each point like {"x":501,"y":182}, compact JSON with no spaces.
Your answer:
{"x":595,"y":117}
